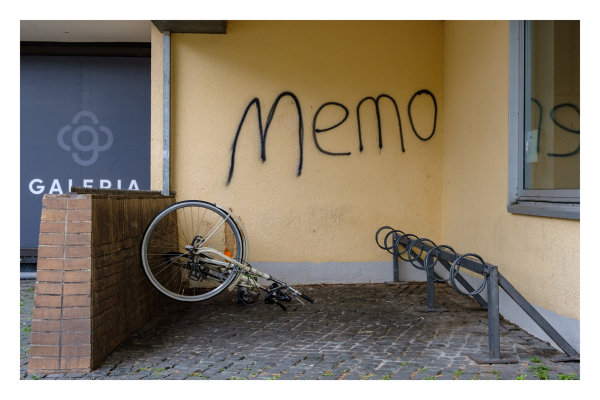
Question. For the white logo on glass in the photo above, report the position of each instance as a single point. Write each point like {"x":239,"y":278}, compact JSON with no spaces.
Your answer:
{"x":94,"y":147}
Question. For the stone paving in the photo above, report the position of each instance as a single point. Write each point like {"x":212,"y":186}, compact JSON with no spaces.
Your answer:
{"x":26,"y":298}
{"x":358,"y":332}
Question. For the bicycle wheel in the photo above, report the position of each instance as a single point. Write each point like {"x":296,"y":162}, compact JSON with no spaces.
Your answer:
{"x":168,"y":255}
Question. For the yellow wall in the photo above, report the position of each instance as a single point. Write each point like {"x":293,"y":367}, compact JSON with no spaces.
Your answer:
{"x":539,"y":256}
{"x":333,"y":209}
{"x":452,"y":189}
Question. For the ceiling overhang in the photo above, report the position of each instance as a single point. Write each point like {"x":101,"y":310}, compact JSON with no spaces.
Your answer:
{"x":188,"y":26}
{"x":110,"y":31}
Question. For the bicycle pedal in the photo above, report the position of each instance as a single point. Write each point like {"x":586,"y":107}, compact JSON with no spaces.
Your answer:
{"x":272,"y":300}
{"x":283,"y":297}
{"x":284,"y":308}
{"x":195,"y":273}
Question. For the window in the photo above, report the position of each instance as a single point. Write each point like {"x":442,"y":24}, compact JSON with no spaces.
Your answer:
{"x":544,"y":151}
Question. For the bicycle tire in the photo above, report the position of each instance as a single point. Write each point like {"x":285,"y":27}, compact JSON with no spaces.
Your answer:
{"x":176,"y":271}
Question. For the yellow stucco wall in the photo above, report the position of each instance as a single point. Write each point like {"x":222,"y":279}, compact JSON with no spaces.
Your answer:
{"x":539,"y":256}
{"x":452,"y":189}
{"x":333,"y":209}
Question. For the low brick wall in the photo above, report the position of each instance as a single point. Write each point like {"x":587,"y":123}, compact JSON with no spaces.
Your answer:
{"x":91,"y":290}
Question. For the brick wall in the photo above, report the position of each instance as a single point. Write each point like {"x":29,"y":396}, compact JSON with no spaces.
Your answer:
{"x":91,"y":290}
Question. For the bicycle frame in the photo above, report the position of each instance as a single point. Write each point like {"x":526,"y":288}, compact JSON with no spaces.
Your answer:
{"x":248,"y":281}
{"x":246,"y":268}
{"x":211,"y":265}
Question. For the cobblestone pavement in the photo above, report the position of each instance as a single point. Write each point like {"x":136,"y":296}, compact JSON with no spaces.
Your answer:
{"x":26,"y":298}
{"x":360,"y":332}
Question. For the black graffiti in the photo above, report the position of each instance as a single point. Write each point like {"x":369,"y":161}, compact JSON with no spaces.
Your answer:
{"x":315,"y":130}
{"x":573,"y":106}
{"x":263,"y":134}
{"x":539,"y":126}
{"x":378,"y":120}
{"x":420,"y":92}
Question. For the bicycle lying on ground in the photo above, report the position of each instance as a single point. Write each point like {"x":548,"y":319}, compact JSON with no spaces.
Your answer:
{"x":193,"y":250}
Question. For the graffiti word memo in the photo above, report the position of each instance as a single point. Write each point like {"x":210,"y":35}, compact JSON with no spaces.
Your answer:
{"x":316,"y":131}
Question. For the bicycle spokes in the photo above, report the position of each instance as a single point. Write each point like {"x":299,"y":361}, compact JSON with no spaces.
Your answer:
{"x":193,"y":250}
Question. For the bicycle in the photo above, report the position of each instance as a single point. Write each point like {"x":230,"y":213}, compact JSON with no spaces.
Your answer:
{"x":192,"y":250}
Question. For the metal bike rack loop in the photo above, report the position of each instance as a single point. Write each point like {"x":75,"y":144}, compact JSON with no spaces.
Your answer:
{"x":453,"y":262}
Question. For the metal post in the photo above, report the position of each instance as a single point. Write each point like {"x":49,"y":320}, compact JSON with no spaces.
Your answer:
{"x":493,"y":313}
{"x":166,"y":112}
{"x":396,"y":261}
{"x":430,"y":293}
{"x":493,"y":303}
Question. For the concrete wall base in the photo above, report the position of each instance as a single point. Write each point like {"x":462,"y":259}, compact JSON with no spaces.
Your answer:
{"x":338,"y":272}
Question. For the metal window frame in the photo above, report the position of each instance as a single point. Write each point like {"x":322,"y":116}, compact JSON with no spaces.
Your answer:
{"x":557,"y":203}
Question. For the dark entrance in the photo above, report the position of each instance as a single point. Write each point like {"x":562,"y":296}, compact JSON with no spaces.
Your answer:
{"x":85,"y":121}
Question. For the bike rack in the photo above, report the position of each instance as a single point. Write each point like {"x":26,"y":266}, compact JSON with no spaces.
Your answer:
{"x":452,"y":262}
